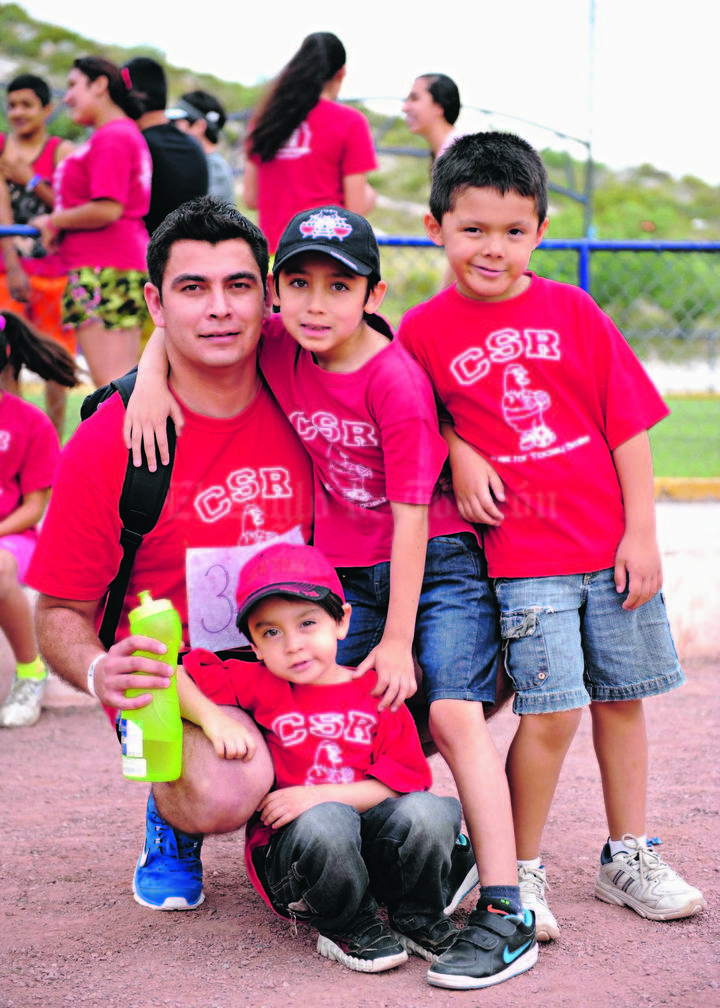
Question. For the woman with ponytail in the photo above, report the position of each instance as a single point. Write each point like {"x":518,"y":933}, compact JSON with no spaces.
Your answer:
{"x":305,"y":149}
{"x":29,"y":451}
{"x":102,"y":193}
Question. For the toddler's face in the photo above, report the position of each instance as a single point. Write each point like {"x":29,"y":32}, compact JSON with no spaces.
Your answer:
{"x":297,"y":640}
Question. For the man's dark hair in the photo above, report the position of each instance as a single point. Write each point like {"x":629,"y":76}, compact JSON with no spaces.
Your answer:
{"x":332,"y":604}
{"x":444,"y":92}
{"x":206,"y":219}
{"x":30,"y":82}
{"x":501,"y":161}
{"x":149,"y":82}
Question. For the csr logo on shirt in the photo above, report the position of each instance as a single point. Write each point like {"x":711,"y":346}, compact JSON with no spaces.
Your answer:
{"x":503,"y":346}
{"x":352,"y":433}
{"x":242,"y":485}
{"x":352,"y":726}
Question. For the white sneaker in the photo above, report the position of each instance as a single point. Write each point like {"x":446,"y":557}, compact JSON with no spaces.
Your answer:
{"x":23,"y":704}
{"x":641,"y":880}
{"x":532,"y":882}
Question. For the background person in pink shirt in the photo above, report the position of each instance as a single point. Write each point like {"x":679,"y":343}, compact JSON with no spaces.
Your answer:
{"x":304,"y":148}
{"x":102,"y":194}
{"x":29,"y":451}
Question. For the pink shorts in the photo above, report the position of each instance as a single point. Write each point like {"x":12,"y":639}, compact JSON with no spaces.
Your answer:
{"x":22,"y":547}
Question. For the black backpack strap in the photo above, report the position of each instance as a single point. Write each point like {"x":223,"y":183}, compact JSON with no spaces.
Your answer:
{"x":124,"y":385}
{"x":141,"y":502}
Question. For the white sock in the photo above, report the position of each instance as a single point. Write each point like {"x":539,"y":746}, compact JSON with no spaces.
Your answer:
{"x":620,"y":847}
{"x":535,"y":862}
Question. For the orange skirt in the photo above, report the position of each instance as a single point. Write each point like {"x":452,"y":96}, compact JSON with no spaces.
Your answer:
{"x":44,"y":310}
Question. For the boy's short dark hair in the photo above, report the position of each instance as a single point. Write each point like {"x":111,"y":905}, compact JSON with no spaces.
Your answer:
{"x":33,"y":83}
{"x":207,"y":219}
{"x":501,"y":161}
{"x":332,"y":604}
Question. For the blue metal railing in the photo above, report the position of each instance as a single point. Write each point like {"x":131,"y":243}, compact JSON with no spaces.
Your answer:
{"x":583,"y":246}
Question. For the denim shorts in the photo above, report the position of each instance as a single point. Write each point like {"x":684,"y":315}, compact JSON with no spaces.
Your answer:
{"x":456,"y":631}
{"x":568,"y":641}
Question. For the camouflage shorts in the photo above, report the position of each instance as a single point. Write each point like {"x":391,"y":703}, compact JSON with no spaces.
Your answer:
{"x":111,"y":296}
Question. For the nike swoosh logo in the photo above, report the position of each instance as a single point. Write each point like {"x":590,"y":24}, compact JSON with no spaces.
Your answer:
{"x":509,"y":956}
{"x":491,"y":909}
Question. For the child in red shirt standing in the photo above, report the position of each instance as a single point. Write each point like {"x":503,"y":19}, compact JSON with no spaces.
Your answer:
{"x":539,"y":381}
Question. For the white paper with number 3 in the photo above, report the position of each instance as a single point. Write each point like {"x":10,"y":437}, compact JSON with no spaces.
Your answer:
{"x":211,"y":576}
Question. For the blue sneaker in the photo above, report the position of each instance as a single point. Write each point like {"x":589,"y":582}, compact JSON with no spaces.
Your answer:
{"x":169,"y":871}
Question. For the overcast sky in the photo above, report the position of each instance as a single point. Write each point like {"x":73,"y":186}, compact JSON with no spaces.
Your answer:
{"x":637,"y":80}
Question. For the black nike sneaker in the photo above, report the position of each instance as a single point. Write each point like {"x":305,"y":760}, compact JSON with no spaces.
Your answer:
{"x":493,"y":946}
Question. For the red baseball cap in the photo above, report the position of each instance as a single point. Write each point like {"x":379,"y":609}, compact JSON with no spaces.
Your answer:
{"x":289,"y":569}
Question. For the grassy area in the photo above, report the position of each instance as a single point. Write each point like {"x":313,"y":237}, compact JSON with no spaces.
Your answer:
{"x":684,"y":444}
{"x":687,"y":443}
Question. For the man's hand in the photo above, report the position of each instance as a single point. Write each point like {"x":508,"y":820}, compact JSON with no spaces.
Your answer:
{"x":119,"y":671}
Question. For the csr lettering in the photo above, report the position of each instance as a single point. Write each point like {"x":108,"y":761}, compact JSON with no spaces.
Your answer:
{"x":353,"y":433}
{"x":242,"y":485}
{"x":353,"y":726}
{"x":504,"y":346}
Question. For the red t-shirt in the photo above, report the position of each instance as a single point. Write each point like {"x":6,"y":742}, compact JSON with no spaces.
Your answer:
{"x":331,"y":734}
{"x":236,"y":483}
{"x":546,"y":387}
{"x":373,"y":437}
{"x":113,"y":164}
{"x":309,"y":169}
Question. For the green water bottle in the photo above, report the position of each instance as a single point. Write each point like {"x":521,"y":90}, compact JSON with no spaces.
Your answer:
{"x":151,"y":736}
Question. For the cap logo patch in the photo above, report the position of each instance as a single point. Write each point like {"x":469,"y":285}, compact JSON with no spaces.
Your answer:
{"x":326,"y":224}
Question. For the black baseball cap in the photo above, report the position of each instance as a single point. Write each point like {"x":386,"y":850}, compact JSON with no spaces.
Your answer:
{"x":340,"y":233}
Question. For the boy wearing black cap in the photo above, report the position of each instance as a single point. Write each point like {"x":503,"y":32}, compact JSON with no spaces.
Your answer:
{"x":350,"y":814}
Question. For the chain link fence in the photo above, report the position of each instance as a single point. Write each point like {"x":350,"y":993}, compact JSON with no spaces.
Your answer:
{"x":664,"y":297}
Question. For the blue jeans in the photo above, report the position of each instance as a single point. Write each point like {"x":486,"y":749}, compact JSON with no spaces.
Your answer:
{"x":457,"y":630}
{"x":569,"y":641}
{"x":338,"y":861}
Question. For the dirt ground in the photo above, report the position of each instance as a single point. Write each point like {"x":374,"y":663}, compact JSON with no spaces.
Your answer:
{"x":72,"y":828}
{"x":71,"y":933}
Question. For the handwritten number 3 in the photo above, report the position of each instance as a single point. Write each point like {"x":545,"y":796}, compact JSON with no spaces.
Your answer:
{"x":228,"y":601}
